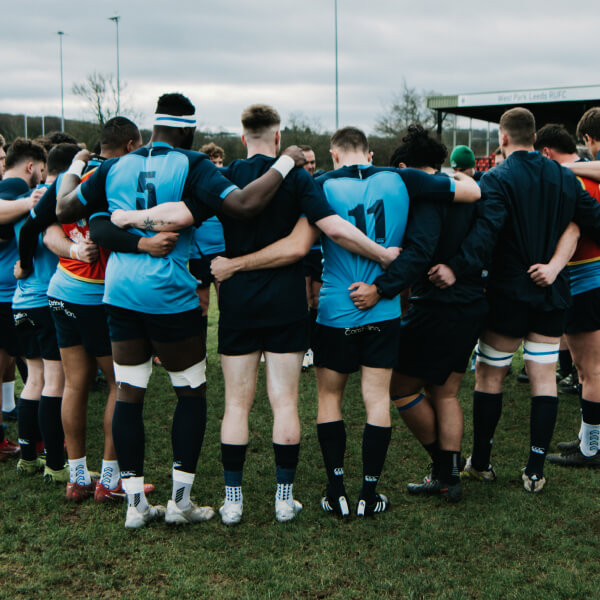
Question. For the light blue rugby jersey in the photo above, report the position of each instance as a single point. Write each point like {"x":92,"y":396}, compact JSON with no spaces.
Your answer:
{"x":375,"y":201}
{"x":208,"y":239}
{"x":147,"y":177}
{"x":32,"y":292}
{"x":11,"y":188}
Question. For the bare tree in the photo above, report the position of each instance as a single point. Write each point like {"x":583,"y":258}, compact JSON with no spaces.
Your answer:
{"x":407,"y":107}
{"x":99,"y":90}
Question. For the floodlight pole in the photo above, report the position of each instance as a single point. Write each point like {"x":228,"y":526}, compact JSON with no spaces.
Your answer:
{"x":337,"y":97}
{"x":62,"y":92}
{"x":116,"y":21}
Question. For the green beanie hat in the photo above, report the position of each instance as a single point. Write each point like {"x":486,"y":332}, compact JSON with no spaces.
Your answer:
{"x":462,"y":157}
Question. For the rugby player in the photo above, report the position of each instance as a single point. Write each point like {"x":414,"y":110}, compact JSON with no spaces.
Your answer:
{"x":352,"y":336}
{"x":208,"y":243}
{"x":313,"y":268}
{"x":540,"y":198}
{"x":441,"y":328}
{"x":264,"y":311}
{"x":583,"y":317}
{"x":164,"y":171}
{"x":75,"y":292}
{"x":40,"y":401}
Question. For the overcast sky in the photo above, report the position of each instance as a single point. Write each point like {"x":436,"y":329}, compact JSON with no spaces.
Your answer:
{"x":227,"y":54}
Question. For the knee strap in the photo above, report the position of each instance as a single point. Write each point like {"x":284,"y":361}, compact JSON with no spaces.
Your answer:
{"x":403,"y":403}
{"x":490,"y":356}
{"x":193,"y":376}
{"x":539,"y":352}
{"x":135,"y":375}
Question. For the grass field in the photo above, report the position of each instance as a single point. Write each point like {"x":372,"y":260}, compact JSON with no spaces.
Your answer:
{"x":500,"y":542}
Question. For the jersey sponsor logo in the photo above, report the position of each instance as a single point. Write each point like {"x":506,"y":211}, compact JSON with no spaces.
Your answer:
{"x":362,"y":329}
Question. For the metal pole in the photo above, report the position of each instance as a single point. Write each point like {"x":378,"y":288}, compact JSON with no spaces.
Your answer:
{"x":43,"y":125}
{"x":62,"y":93}
{"x":454,"y":133}
{"x":470,"y":131}
{"x":116,"y":20}
{"x":487,"y":143}
{"x":337,"y":97}
{"x":25,"y":126}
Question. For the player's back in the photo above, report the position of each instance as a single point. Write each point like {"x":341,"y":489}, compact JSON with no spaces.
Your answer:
{"x":376,"y":201}
{"x":540,"y":198}
{"x":140,"y":180}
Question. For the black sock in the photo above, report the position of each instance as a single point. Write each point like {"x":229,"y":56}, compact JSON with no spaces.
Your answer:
{"x":433,"y":450}
{"x":487,"y":409}
{"x":204,"y":325}
{"x":449,"y":466}
{"x":543,"y":418}
{"x":28,"y":427}
{"x":374,"y":450}
{"x":1,"y":434}
{"x":332,"y":438}
{"x":286,"y":461}
{"x":187,"y":433}
{"x":565,"y":364}
{"x":128,"y":436}
{"x":590,"y":412}
{"x":233,"y":457}
{"x":52,"y":432}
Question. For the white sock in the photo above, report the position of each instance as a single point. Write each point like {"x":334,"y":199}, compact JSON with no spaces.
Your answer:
{"x":182,"y":487}
{"x":110,"y":475}
{"x":580,"y":434}
{"x":233,"y":493}
{"x":8,"y":396}
{"x":78,"y":471}
{"x":134,"y":488}
{"x":590,"y":439}
{"x":284,"y":491}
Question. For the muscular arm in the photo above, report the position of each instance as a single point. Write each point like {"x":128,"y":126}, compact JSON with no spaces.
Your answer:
{"x":466,"y":188}
{"x":168,"y":216}
{"x":109,"y":236}
{"x":545,"y":274}
{"x":13,"y":210}
{"x":69,"y":207}
{"x":591,"y":169}
{"x":348,"y":236}
{"x":285,"y":251}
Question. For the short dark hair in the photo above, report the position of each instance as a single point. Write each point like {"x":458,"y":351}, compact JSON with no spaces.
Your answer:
{"x":117,"y":132}
{"x":213,"y":151}
{"x":350,"y":138}
{"x":174,"y":104}
{"x":305,"y":148}
{"x":419,"y":149}
{"x":589,"y":124}
{"x":43,"y":140}
{"x":60,"y":137}
{"x":555,"y":136}
{"x":21,"y":150}
{"x":260,"y":117}
{"x":2,"y":141}
{"x":519,"y":124}
{"x":60,"y":157}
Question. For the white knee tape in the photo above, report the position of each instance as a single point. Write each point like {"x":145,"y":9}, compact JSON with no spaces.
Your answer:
{"x":135,"y":375}
{"x":538,"y":352}
{"x":490,"y":356}
{"x":193,"y":376}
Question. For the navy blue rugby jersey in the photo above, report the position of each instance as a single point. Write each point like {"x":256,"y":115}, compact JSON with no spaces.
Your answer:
{"x":10,"y":189}
{"x":149,"y":176}
{"x":268,"y":297}
{"x":539,"y":198}
{"x":376,"y":200}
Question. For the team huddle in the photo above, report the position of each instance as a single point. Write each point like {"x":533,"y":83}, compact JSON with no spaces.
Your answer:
{"x":107,"y":264}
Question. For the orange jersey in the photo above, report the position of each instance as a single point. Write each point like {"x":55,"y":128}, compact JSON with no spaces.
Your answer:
{"x":587,"y":249}
{"x":91,"y":272}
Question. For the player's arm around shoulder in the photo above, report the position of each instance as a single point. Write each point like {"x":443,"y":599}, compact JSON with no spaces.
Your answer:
{"x":466,"y":189}
{"x":285,"y":251}
{"x":168,"y":216}
{"x":70,"y":205}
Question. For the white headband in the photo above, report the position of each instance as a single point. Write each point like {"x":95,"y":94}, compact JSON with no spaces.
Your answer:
{"x":175,"y":120}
